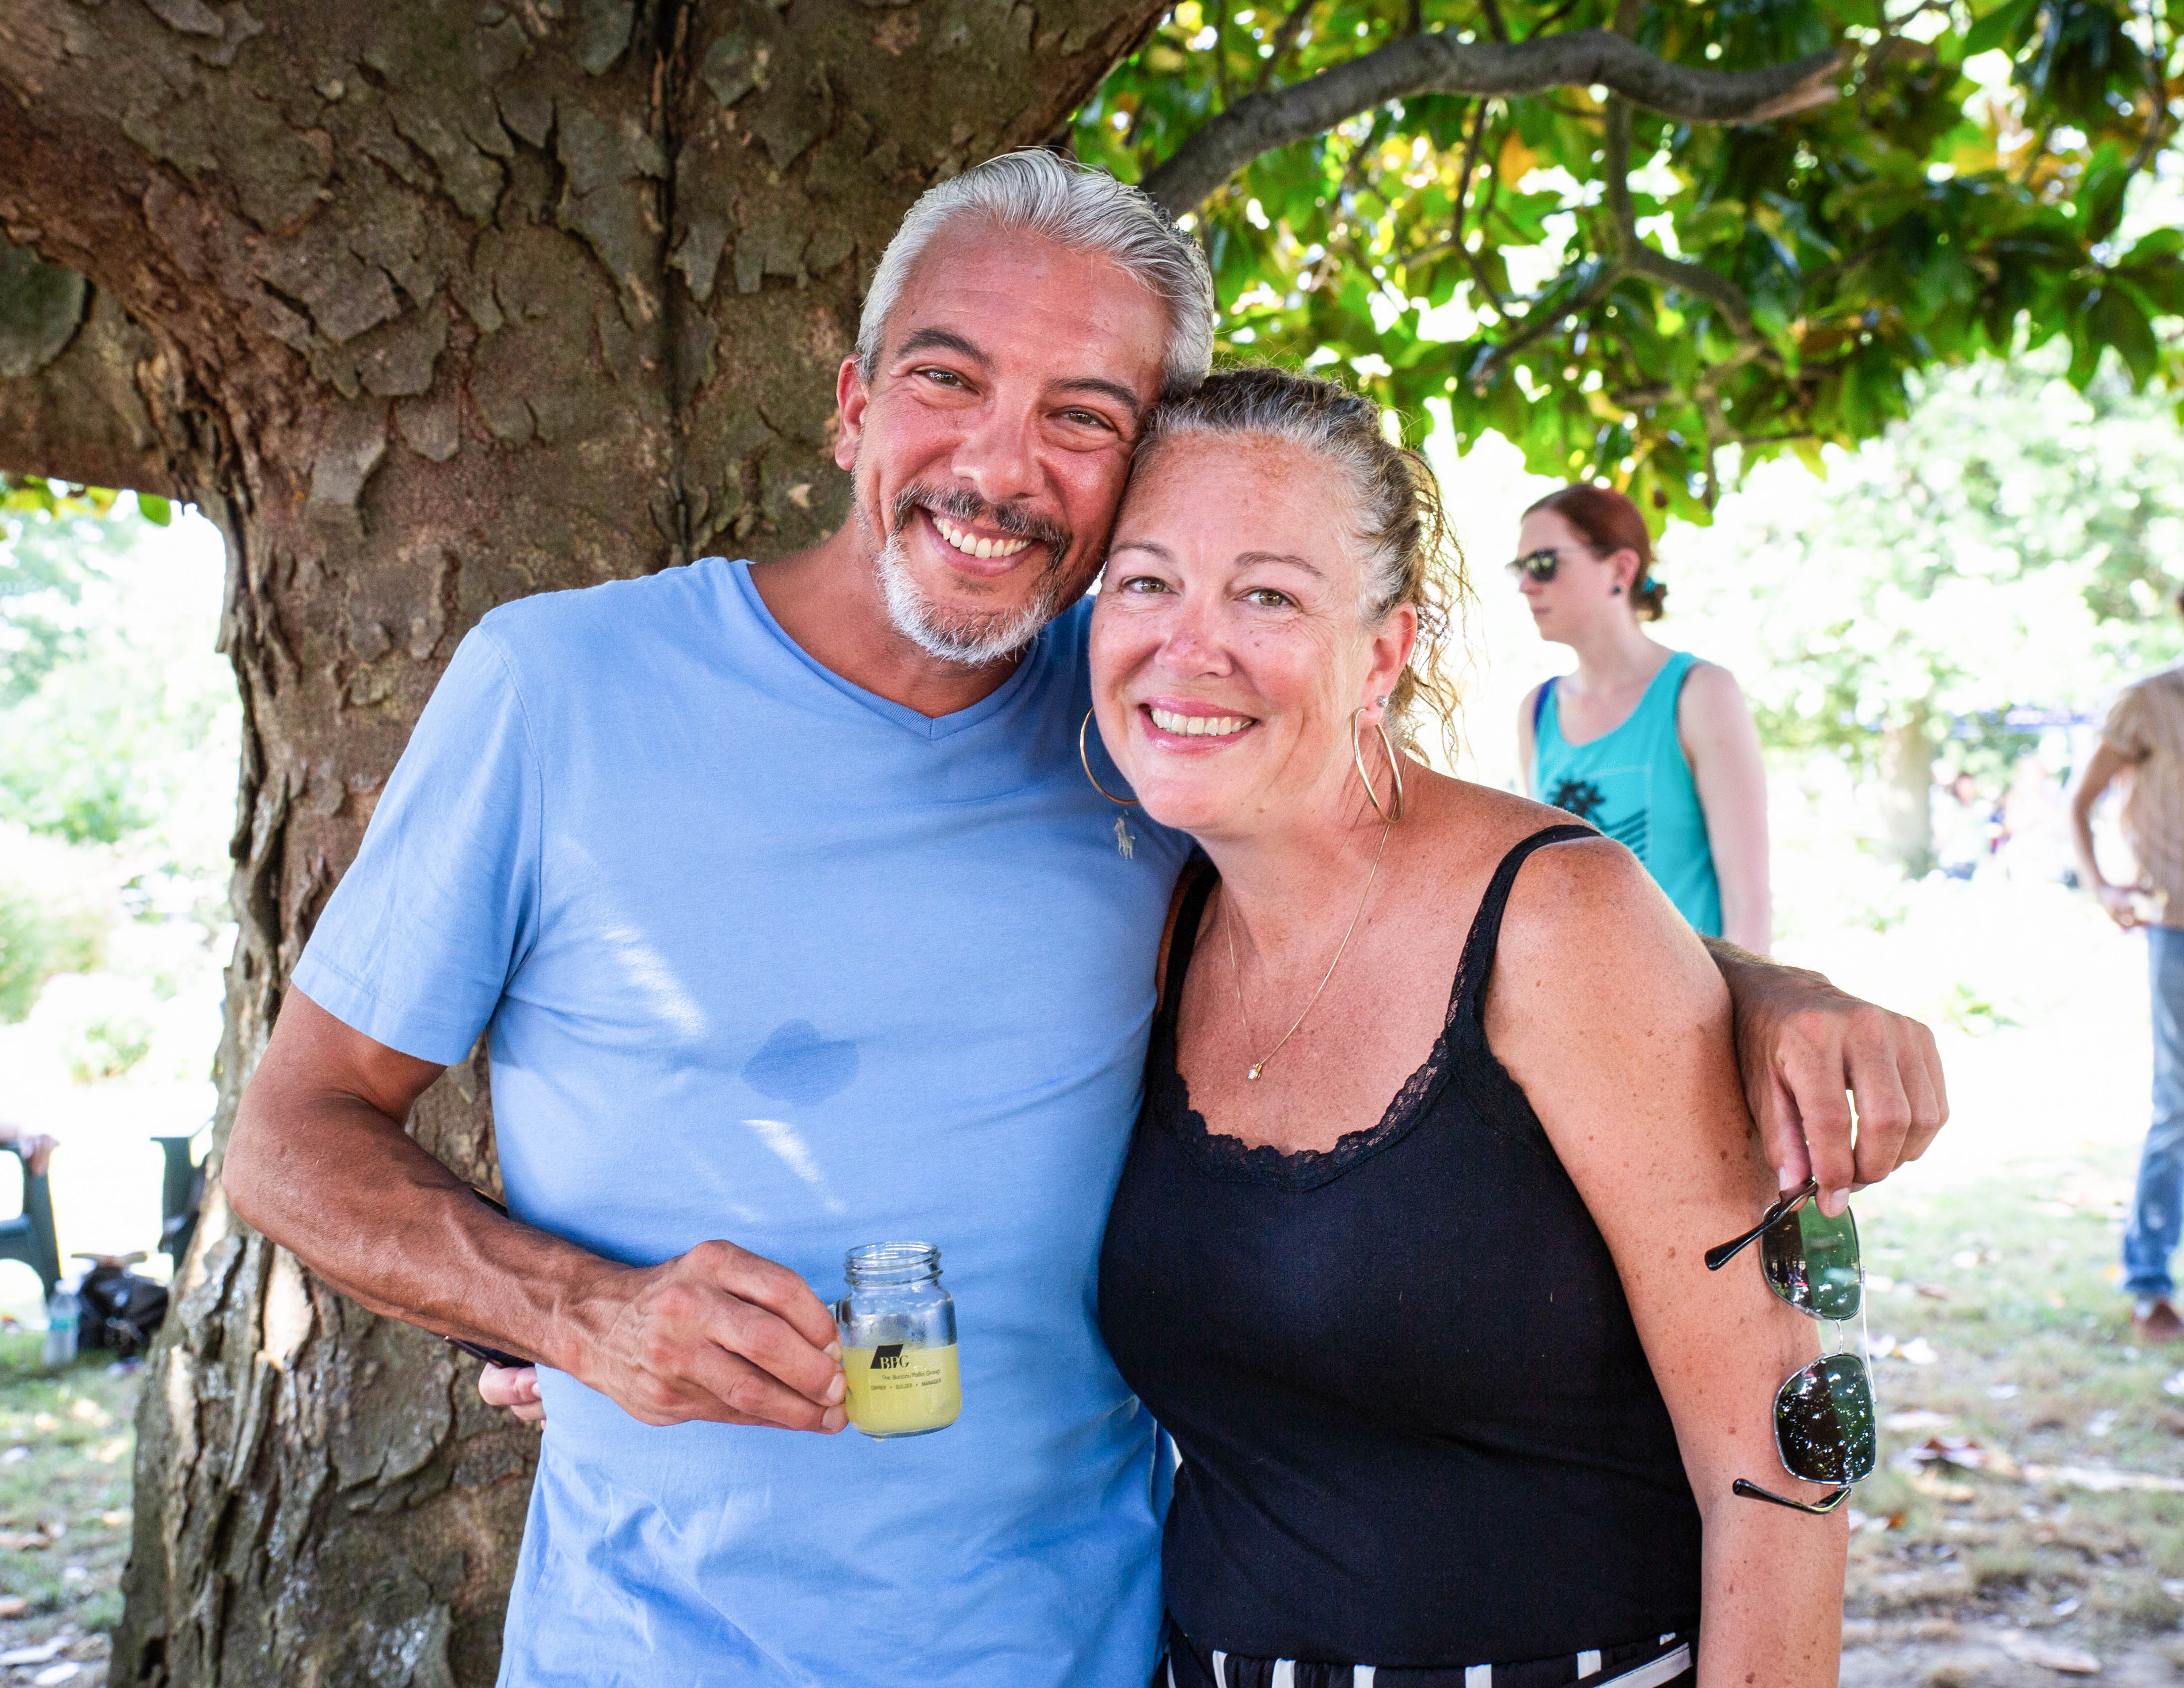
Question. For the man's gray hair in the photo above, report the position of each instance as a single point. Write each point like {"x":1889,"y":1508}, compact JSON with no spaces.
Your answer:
{"x":1077,"y":206}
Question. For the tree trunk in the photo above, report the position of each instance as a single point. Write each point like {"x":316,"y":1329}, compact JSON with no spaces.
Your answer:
{"x":1906,"y":792}
{"x":429,"y":306}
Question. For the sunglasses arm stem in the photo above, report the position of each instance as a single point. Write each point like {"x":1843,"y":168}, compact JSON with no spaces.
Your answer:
{"x":1716,"y":1258}
{"x":1752,"y":1491}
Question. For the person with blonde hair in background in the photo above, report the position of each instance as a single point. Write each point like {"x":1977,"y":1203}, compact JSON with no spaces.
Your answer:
{"x":2143,"y":738}
{"x":1651,"y":745}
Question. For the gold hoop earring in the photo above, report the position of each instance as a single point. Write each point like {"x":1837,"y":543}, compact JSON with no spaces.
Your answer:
{"x":1394,"y":767}
{"x":1084,"y":756}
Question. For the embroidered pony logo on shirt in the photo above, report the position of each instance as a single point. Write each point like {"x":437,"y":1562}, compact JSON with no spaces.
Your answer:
{"x":1126,"y":842}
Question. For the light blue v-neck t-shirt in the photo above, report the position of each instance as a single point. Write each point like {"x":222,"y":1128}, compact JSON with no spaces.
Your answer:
{"x":763,"y":956}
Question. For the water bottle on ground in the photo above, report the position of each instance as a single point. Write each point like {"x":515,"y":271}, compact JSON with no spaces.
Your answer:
{"x":62,"y":1313}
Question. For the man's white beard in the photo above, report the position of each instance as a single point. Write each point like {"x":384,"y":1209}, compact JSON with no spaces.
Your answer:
{"x":967,"y":637}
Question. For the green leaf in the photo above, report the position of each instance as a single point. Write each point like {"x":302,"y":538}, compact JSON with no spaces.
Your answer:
{"x":2117,"y":319}
{"x":1999,"y":26}
{"x":154,"y":509}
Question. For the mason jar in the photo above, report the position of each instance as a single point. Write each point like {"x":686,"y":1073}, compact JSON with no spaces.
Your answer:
{"x":898,"y":1328}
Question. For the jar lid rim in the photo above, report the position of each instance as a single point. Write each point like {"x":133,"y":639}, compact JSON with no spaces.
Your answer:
{"x":885,"y":1255}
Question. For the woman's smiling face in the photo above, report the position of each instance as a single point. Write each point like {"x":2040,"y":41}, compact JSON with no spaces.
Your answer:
{"x":1228,"y":650}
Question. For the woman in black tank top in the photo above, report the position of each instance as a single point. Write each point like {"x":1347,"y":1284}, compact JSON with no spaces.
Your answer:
{"x":1456,"y":1401}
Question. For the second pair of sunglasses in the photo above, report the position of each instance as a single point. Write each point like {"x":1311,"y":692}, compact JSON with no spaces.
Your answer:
{"x":1538,"y":565}
{"x":1823,"y":1412}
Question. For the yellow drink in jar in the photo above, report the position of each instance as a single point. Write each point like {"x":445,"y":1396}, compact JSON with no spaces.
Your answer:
{"x":900,"y":1389}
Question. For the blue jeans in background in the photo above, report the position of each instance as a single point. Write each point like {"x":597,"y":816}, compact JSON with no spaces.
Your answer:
{"x":2157,"y":1210}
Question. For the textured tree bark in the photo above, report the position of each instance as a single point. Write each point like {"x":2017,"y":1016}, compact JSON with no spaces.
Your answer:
{"x":432,"y":305}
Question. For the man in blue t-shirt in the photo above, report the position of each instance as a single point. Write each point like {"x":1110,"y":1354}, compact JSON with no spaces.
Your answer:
{"x":791,"y":918}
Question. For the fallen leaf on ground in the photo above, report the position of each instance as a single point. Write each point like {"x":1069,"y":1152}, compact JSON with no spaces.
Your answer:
{"x":1936,"y":1292}
{"x":2099,"y":1478}
{"x":13,"y":1606}
{"x":36,"y":1654}
{"x":54,"y":1677}
{"x":1964,"y":1452}
{"x":1917,"y":1418}
{"x":2069,"y":1660}
{"x":23,"y":1540}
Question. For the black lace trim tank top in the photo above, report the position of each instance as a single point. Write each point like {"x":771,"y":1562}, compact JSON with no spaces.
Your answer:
{"x":1416,"y":1423}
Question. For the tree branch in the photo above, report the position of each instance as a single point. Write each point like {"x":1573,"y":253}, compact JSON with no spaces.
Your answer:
{"x":1638,"y":259}
{"x":1539,"y":322}
{"x":1440,"y":64}
{"x":86,"y":395}
{"x":1285,"y":37}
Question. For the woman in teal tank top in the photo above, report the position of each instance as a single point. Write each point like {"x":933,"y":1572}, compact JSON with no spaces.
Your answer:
{"x":1653,"y":746}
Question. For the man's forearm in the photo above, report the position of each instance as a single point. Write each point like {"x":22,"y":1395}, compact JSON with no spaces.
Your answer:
{"x":343,"y":1188}
{"x":2081,"y":841}
{"x":1802,"y":1045}
{"x":1734,"y":960}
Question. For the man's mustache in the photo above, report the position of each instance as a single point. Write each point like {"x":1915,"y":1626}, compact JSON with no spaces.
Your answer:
{"x":964,"y":508}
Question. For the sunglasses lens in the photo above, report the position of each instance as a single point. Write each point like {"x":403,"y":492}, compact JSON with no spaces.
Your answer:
{"x":1811,"y":1262}
{"x":1823,"y":1421}
{"x":1538,"y":565}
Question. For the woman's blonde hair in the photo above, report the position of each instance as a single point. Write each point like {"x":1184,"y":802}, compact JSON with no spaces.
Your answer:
{"x":1409,"y":553}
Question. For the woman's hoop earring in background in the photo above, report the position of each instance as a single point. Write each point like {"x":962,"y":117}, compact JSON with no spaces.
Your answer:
{"x":1394,"y":767}
{"x":1084,"y":756}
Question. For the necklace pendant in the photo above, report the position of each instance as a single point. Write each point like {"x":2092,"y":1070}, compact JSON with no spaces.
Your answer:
{"x":1257,"y":1067}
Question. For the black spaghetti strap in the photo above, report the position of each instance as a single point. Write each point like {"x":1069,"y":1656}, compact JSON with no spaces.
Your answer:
{"x":1478,"y":963}
{"x":1198,"y":881}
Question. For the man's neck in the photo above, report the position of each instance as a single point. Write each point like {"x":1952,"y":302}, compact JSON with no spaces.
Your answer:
{"x":828,"y":599}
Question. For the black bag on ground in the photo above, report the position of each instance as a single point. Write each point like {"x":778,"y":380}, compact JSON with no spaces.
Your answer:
{"x":121,"y":1311}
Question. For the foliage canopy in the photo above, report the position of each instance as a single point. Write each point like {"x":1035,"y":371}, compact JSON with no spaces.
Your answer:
{"x":1626,"y":295}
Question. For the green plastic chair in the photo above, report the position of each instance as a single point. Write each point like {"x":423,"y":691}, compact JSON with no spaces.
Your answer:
{"x":180,"y":1193}
{"x":28,"y":1237}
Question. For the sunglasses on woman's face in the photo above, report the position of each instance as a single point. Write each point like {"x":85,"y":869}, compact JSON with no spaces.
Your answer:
{"x":1823,"y":1412}
{"x":1538,"y":565}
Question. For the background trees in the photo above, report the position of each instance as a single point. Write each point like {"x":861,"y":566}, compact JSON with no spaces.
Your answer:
{"x":432,"y":305}
{"x":1610,"y":270}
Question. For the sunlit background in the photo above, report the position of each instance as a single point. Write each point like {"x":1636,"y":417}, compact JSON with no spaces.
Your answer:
{"x":1991,"y":571}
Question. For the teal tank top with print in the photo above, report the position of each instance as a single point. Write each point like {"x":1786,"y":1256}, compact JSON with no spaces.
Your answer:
{"x":1634,"y":785}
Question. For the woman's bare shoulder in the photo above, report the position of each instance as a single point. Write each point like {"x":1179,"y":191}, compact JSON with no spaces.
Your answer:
{"x":1710,"y":684}
{"x":1467,"y":818}
{"x":1468,"y":829}
{"x":1587,"y":913}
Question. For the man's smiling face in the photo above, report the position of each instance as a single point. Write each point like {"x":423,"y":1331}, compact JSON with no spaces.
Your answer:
{"x":990,"y":448}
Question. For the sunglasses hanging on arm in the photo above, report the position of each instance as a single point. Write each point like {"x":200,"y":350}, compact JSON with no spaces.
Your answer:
{"x":1823,"y":1412}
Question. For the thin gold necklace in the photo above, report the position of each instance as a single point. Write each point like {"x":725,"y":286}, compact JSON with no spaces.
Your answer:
{"x":1229,"y":927}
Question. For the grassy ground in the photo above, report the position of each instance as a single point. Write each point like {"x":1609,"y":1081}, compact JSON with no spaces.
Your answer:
{"x":65,"y":1451}
{"x":2045,"y":1520}
{"x":1962,"y":1569}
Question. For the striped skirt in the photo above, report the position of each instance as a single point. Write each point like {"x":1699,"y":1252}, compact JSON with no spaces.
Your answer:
{"x":1666,"y":1662}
